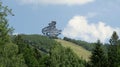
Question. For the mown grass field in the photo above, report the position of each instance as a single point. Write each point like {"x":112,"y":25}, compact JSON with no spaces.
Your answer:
{"x":80,"y":51}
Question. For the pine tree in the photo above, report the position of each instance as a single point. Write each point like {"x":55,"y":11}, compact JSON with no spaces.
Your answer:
{"x":98,"y":58}
{"x":118,"y":54}
{"x":113,"y":51}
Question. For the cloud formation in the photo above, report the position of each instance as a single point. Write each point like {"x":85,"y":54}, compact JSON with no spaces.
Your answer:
{"x":56,"y":2}
{"x":15,"y":33}
{"x":79,"y":28}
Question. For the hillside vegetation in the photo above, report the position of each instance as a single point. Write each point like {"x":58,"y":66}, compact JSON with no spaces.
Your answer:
{"x":88,"y":46}
{"x":80,"y":51}
{"x":46,"y":52}
{"x":44,"y":44}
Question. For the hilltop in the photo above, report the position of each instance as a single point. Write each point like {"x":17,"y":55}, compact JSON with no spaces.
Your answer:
{"x":79,"y":50}
{"x":44,"y":44}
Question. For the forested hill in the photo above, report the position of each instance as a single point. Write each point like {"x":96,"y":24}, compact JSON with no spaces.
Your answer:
{"x":44,"y":44}
{"x":79,"y":50}
{"x":38,"y":41}
{"x":84,"y":44}
{"x":42,"y":51}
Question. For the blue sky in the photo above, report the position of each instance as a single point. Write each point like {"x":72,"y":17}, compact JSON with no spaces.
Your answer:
{"x":101,"y":16}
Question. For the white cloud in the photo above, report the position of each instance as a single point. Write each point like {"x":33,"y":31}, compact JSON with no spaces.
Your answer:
{"x":54,"y":2}
{"x":78,"y":27}
{"x":15,"y":33}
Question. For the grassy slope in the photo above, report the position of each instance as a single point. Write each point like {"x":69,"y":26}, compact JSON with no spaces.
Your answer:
{"x":80,"y":51}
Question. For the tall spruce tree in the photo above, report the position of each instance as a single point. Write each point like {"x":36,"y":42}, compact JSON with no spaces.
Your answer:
{"x":113,"y":51}
{"x":98,"y":58}
{"x":118,"y":54}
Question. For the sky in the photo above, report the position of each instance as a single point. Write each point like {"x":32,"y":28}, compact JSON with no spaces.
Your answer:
{"x":87,"y":20}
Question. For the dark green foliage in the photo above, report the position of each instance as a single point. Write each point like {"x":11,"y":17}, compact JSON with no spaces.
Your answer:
{"x":44,"y":61}
{"x":55,"y":56}
{"x":64,"y":57}
{"x":118,"y":53}
{"x":29,"y":57}
{"x":4,"y":26}
{"x":28,"y":52}
{"x":9,"y":56}
{"x":86,"y":45}
{"x":40,"y":42}
{"x":113,"y":51}
{"x":98,"y":58}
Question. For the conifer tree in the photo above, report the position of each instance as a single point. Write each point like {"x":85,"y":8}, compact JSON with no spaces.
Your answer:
{"x":113,"y":51}
{"x":98,"y":58}
{"x":118,"y":54}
